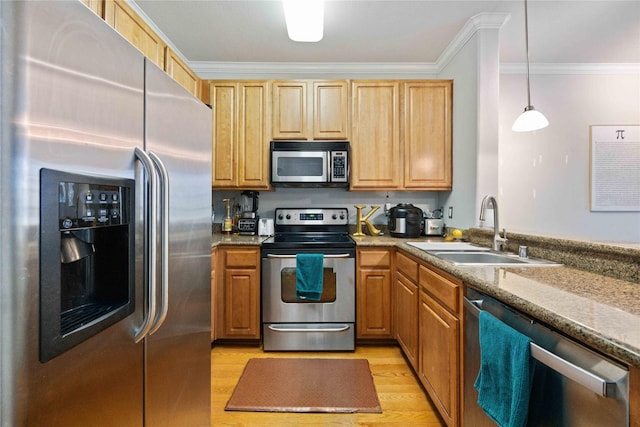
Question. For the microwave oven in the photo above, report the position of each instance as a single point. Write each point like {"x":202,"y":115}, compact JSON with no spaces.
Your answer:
{"x":310,"y":163}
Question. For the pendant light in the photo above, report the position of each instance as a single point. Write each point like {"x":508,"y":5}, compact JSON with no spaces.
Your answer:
{"x":305,"y":19}
{"x":530,"y":119}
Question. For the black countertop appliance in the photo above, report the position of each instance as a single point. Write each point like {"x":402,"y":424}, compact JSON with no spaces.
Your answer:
{"x":405,"y":220}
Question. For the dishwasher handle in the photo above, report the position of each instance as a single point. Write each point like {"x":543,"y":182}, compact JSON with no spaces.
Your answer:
{"x":293,"y":256}
{"x":565,"y":368}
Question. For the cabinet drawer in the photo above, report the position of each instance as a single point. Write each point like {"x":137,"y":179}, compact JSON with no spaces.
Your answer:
{"x":375,"y":258}
{"x":407,"y":266}
{"x":241,"y":258}
{"x":444,"y":290}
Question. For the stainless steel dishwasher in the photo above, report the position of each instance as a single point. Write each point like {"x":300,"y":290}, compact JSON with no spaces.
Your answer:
{"x":572,"y":385}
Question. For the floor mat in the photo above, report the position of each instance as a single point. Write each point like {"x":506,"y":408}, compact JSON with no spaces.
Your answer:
{"x":305,"y":385}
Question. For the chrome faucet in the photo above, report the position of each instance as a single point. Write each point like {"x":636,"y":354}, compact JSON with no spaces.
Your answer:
{"x":499,"y":243}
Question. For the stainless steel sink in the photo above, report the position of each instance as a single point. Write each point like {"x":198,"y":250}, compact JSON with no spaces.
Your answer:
{"x":490,"y":258}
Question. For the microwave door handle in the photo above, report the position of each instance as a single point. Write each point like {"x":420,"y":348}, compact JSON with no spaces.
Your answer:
{"x":150,"y":233}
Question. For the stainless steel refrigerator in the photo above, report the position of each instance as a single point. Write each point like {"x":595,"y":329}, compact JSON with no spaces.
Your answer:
{"x":105,"y":244}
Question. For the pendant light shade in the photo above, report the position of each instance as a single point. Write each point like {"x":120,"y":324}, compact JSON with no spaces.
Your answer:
{"x":305,"y":19}
{"x":530,"y":119}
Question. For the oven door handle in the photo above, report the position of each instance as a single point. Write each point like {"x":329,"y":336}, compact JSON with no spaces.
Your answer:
{"x":293,"y":256}
{"x":337,"y":328}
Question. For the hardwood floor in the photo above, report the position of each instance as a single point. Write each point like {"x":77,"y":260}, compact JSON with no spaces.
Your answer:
{"x":403,"y":400}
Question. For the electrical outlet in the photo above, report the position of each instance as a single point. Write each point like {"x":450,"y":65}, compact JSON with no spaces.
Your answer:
{"x":450,"y":212}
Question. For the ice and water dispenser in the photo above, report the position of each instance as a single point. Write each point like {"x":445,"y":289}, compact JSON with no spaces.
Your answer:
{"x":87,"y":268}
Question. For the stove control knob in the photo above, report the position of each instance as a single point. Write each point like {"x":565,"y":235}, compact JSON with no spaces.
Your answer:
{"x":288,"y":216}
{"x":334,"y":216}
{"x":280,"y":216}
{"x":341,"y":216}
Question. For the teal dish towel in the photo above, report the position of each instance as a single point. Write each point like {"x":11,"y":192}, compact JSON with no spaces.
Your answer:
{"x":309,"y":276}
{"x":504,"y":380}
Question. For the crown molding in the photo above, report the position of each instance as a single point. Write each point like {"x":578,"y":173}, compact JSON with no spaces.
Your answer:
{"x":481,"y":21}
{"x":213,"y":70}
{"x":570,"y":68}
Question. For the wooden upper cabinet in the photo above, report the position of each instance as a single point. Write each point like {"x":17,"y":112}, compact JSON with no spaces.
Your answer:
{"x":181,"y":73}
{"x":96,"y":5}
{"x":426,"y":134}
{"x":240,"y":134}
{"x":375,"y":135}
{"x":306,"y":109}
{"x":401,"y":145}
{"x":289,"y":110}
{"x":126,"y":21}
{"x":223,"y":96}
{"x":330,"y":110}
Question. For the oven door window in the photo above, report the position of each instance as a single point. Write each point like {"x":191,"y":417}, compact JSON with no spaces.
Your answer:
{"x":288,"y":287}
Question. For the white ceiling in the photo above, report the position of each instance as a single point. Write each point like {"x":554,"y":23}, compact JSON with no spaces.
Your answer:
{"x":398,"y":31}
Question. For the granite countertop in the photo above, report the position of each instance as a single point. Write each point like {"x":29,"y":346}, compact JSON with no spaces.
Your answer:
{"x":218,"y":239}
{"x":601,"y":311}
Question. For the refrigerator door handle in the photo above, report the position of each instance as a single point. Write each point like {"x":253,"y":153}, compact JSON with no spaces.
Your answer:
{"x":164,"y":241}
{"x":150,"y":214}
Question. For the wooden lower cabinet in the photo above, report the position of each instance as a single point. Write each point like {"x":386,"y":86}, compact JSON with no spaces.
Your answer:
{"x":373,"y":293}
{"x":406,"y":317}
{"x":214,"y":261}
{"x":238,"y":293}
{"x":439,"y":357}
{"x":440,"y":348}
{"x":405,"y":313}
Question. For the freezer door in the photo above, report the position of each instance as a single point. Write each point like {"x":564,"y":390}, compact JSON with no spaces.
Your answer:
{"x":178,"y":132}
{"x":78,"y":90}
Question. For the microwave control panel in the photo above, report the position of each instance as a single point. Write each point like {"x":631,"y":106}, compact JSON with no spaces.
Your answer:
{"x":339,"y":170}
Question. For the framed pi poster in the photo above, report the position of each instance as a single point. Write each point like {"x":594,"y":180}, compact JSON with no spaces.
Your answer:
{"x":615,"y":168}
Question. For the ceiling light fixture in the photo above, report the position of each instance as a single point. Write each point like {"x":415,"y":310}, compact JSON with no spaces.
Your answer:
{"x":531,"y":119}
{"x":305,"y":19}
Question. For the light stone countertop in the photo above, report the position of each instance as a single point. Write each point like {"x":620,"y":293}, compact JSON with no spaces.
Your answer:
{"x":596,"y":308}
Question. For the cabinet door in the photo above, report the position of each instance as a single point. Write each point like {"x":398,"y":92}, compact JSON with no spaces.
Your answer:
{"x":253,"y":136}
{"x":241,"y":304}
{"x":125,"y":21}
{"x":214,"y":269}
{"x":181,"y":73}
{"x":290,"y":120}
{"x":96,"y":5}
{"x":238,"y":296}
{"x":439,"y":357}
{"x":373,"y":296}
{"x":224,"y":112}
{"x":240,"y":134}
{"x":373,"y":293}
{"x":331,"y":109}
{"x":406,"y":317}
{"x":427,"y":135}
{"x":375,"y":135}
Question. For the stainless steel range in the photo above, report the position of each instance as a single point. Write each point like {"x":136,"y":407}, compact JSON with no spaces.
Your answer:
{"x":289,"y":321}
